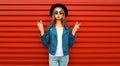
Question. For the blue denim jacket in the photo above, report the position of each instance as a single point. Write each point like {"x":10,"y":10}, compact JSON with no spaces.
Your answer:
{"x":50,"y":38}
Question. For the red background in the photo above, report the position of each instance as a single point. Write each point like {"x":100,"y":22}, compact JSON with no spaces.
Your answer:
{"x":97,"y":43}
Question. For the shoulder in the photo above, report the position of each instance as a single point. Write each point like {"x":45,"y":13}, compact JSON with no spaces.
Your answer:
{"x":48,"y":26}
{"x":67,"y":27}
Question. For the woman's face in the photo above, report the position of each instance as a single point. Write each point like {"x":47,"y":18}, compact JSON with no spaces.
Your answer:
{"x":58,"y":12}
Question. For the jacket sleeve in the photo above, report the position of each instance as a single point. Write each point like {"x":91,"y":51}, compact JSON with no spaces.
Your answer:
{"x":71,"y":38}
{"x":45,"y":38}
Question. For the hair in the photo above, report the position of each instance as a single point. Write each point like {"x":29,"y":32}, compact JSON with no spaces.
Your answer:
{"x":63,"y":20}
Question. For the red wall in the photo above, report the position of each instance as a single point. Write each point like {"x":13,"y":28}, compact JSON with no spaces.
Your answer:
{"x":97,"y":43}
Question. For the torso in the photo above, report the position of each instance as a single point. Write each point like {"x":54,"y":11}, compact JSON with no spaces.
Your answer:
{"x":59,"y":50}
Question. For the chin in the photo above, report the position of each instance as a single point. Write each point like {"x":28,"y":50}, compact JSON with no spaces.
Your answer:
{"x":58,"y":18}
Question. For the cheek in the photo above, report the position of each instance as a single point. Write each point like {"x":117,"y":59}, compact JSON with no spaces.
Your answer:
{"x":61,"y":16}
{"x":55,"y":16}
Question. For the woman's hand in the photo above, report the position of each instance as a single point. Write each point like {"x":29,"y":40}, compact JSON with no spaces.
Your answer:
{"x":40,"y":26}
{"x":76,"y":27}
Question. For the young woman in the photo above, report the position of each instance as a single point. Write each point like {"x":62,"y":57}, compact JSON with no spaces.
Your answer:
{"x":58,"y":36}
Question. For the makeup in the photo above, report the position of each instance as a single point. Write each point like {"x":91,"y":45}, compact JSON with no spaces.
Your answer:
{"x":58,"y":12}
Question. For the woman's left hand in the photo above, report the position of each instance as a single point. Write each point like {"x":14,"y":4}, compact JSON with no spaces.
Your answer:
{"x":76,"y":27}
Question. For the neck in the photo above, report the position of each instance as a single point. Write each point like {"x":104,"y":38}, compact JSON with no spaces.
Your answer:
{"x":58,"y":23}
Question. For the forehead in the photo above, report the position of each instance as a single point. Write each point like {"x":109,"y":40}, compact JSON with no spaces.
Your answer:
{"x":58,"y":9}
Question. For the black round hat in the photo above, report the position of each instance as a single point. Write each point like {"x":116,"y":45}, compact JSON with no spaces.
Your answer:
{"x":59,"y":5}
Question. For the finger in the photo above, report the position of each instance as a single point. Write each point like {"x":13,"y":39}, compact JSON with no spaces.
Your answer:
{"x":38,"y":22}
{"x":78,"y":27}
{"x":76,"y":23}
{"x":39,"y":25}
{"x":75,"y":29}
{"x":41,"y":22}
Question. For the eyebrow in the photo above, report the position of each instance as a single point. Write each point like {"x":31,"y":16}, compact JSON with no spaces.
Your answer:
{"x":56,"y":10}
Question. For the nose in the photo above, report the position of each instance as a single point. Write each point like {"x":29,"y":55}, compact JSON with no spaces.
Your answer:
{"x":58,"y":16}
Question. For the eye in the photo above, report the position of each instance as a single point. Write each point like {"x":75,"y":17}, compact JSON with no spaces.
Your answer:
{"x":56,"y":12}
{"x":61,"y":12}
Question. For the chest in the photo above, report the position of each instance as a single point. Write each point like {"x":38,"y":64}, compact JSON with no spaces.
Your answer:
{"x":54,"y":31}
{"x":59,"y":28}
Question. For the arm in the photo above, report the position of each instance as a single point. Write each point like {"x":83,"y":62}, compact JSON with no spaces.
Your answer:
{"x":71,"y":38}
{"x":73,"y":35}
{"x":46,"y":37}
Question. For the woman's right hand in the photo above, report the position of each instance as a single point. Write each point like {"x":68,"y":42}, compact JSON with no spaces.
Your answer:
{"x":40,"y":26}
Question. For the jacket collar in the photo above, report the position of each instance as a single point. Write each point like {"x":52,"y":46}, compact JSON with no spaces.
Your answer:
{"x":54,"y":30}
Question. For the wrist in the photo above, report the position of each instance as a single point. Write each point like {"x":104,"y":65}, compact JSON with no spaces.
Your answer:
{"x":73,"y":33}
{"x":42,"y":33}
